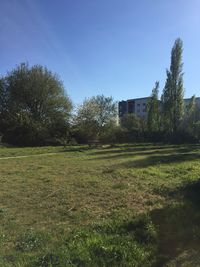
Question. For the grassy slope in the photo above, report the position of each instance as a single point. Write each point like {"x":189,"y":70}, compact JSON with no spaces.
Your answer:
{"x":43,"y":199}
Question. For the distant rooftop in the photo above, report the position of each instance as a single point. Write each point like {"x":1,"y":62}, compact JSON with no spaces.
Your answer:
{"x":133,"y":99}
{"x":143,"y":98}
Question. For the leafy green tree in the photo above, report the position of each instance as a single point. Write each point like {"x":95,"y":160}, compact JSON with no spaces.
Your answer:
{"x":85,"y":125}
{"x":94,"y":115}
{"x":3,"y":105}
{"x":131,"y":122}
{"x":106,"y":111}
{"x":196,"y":131}
{"x":37,"y":107}
{"x":153,"y":119}
{"x":197,"y":110}
{"x":172,"y":98}
{"x":132,"y":128}
{"x":190,"y":110}
{"x":188,"y":122}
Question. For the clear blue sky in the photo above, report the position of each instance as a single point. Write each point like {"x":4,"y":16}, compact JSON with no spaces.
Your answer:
{"x":111,"y":47}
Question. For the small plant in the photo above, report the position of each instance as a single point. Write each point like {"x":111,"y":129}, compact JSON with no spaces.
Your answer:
{"x":30,"y":241}
{"x":2,"y":212}
{"x":50,"y":259}
{"x":120,"y":186}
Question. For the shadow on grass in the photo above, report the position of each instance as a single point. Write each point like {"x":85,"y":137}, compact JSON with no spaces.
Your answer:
{"x":154,"y":160}
{"x":155,"y":154}
{"x":148,"y":240}
{"x":127,"y":149}
{"x":178,"y":225}
{"x":190,"y":191}
{"x":76,"y":148}
{"x":145,"y":147}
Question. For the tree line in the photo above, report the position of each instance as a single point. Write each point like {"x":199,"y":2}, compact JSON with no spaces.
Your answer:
{"x":36,"y":110}
{"x":171,"y":119}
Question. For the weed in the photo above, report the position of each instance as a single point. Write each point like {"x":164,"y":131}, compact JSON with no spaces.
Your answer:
{"x":30,"y":241}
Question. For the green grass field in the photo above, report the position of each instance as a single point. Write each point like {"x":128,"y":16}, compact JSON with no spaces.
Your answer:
{"x":131,"y":205}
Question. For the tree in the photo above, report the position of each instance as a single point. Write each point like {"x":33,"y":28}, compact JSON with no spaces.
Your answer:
{"x":172,"y":98}
{"x":153,"y":119}
{"x":131,"y":122}
{"x":37,"y":107}
{"x":3,"y":105}
{"x":106,"y":111}
{"x":197,"y":110}
{"x":188,"y":122}
{"x":190,"y":110}
{"x":85,"y":125}
{"x":94,"y":116}
{"x":133,"y":128}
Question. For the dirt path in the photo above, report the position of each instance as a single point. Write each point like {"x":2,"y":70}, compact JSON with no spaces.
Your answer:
{"x":29,"y":156}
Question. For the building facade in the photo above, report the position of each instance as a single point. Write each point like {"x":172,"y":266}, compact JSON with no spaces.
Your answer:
{"x":138,"y":106}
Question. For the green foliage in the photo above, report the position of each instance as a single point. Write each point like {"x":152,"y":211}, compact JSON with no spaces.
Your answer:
{"x":94,"y":117}
{"x":50,"y":259}
{"x":153,"y":109}
{"x":133,"y":129}
{"x":30,"y":241}
{"x":3,"y":105}
{"x":188,"y":122}
{"x":113,"y":243}
{"x":131,"y":122}
{"x":190,"y":109}
{"x":33,"y":105}
{"x":172,"y":97}
{"x":197,"y":130}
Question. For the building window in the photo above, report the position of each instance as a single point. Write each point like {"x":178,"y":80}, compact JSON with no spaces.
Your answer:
{"x":130,"y":107}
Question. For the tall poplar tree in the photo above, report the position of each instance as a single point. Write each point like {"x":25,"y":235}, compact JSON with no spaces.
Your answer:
{"x":172,"y":98}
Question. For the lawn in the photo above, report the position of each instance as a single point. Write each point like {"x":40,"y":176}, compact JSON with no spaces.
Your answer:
{"x":129,"y":205}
